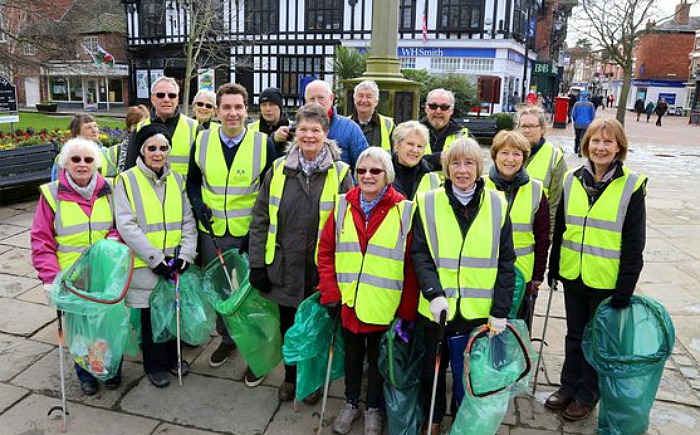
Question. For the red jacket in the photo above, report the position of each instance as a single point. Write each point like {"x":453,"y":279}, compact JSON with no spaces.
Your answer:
{"x":328,"y":285}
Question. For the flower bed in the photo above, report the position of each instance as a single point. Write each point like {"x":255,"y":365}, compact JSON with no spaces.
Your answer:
{"x":108,"y":137}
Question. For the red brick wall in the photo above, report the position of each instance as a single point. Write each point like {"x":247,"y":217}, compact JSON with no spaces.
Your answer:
{"x":664,"y":55}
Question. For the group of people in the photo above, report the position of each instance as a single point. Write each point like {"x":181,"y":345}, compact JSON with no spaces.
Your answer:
{"x":659,"y":109}
{"x":383,"y":220}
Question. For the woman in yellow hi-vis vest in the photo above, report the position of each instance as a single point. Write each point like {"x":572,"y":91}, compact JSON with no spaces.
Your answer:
{"x":367,"y":278}
{"x":528,"y":211}
{"x":414,"y":175}
{"x":155,"y":220}
{"x":599,"y":239}
{"x":74,"y":212}
{"x":295,"y":200}
{"x":463,"y":255}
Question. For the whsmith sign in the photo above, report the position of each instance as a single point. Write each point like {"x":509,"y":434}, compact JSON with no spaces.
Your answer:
{"x":8,"y":96}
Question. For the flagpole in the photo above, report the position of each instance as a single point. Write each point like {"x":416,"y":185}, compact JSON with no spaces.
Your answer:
{"x":107,"y":90}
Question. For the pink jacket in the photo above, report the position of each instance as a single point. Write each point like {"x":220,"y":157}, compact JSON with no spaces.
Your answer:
{"x":42,"y":235}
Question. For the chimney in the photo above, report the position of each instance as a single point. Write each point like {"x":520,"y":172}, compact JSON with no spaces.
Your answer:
{"x":650,"y":24}
{"x":682,"y":15}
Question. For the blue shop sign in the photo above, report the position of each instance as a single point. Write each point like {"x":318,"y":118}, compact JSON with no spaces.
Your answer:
{"x":659,"y":83}
{"x":446,"y":52}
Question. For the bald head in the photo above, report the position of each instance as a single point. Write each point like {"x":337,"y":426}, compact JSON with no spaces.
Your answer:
{"x":320,"y":92}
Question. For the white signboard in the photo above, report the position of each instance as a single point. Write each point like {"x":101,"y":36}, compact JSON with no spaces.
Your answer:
{"x":6,"y":119}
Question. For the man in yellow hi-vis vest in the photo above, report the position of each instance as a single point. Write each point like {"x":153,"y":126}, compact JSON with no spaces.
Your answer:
{"x":376,"y":128}
{"x":227,"y":166}
{"x":444,"y":130}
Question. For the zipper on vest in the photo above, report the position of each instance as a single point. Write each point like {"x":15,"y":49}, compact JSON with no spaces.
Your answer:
{"x":228,"y":175}
{"x":583,"y":237}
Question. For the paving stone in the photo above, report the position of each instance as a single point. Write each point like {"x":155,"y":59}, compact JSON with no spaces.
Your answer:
{"x":689,"y":372}
{"x":7,"y":211}
{"x":233,"y":369}
{"x":503,"y":430}
{"x":20,"y":240}
{"x":683,"y":361}
{"x":10,"y":394}
{"x":12,"y":285}
{"x":7,"y":231}
{"x":527,"y":431}
{"x":674,"y":388}
{"x":673,"y":419}
{"x":695,"y":384}
{"x":302,"y":422}
{"x":663,"y":251}
{"x":171,"y":429}
{"x":18,"y":262}
{"x":23,"y":219}
{"x":248,"y":410}
{"x":36,"y":295}
{"x":23,"y":318}
{"x":44,"y":377}
{"x":535,"y":416}
{"x":511,"y":418}
{"x":28,"y":417}
{"x":587,"y":426}
{"x":48,"y":334}
{"x":16,"y":354}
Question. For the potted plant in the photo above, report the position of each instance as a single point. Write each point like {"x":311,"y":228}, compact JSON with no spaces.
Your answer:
{"x":47,"y":106}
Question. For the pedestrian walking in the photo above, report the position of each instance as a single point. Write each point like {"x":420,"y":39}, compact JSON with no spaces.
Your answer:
{"x":74,"y":212}
{"x":413,"y":173}
{"x":660,"y":110}
{"x":367,"y":278}
{"x":597,"y":249}
{"x":294,"y":203}
{"x":154,"y":219}
{"x":649,"y":110}
{"x":639,"y":107}
{"x":464,"y":257}
{"x":583,"y":113}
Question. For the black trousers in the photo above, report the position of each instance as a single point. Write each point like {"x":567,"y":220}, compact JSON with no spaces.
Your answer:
{"x":157,"y":357}
{"x":356,"y":347}
{"x":579,"y":132}
{"x":578,"y":378}
{"x":286,"y":321}
{"x":658,"y":119}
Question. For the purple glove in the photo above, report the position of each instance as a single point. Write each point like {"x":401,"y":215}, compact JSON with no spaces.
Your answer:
{"x":403,"y":330}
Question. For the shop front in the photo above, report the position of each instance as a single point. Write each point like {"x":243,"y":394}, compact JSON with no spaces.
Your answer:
{"x":86,"y":86}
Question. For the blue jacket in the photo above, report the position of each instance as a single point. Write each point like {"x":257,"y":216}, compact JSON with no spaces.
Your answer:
{"x":349,"y":137}
{"x":583,"y":113}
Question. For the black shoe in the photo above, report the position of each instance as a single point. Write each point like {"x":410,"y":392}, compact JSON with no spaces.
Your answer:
{"x":221,"y":354}
{"x":159,"y":379}
{"x":251,"y":380}
{"x":185,"y":369}
{"x":113,"y":383}
{"x":89,"y":387}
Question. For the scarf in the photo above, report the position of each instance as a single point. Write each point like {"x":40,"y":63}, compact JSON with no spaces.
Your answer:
{"x":311,"y":166}
{"x":462,"y":196}
{"x":87,"y":191}
{"x":506,"y":186}
{"x":367,"y":206}
{"x":595,"y":188}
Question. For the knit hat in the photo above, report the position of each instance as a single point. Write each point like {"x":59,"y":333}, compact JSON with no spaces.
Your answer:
{"x":147,"y":132}
{"x":271,"y":95}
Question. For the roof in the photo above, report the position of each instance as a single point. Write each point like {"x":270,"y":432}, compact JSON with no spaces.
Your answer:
{"x":673,"y":26}
{"x":96,"y":16}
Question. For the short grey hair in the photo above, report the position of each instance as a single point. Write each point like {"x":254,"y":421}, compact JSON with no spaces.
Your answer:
{"x":166,"y":80}
{"x":76,"y":144}
{"x":382,"y":157}
{"x":436,"y":91}
{"x":370,"y":85}
{"x":317,"y":81}
{"x":403,"y":130}
{"x":206,"y":93}
{"x":463,"y":148}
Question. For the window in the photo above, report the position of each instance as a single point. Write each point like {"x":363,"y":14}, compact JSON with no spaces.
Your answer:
{"x":152,"y":18}
{"x":324,"y":15}
{"x":445,"y":63}
{"x":262,"y":16}
{"x":90,"y":44}
{"x":115,"y":90}
{"x":76,"y":88}
{"x":58,"y":86}
{"x":476,"y":64}
{"x":408,"y":62}
{"x":293,"y":68}
{"x":407,"y":15}
{"x":460,"y":15}
{"x":29,"y":49}
{"x":520,"y":18}
{"x":212,"y":10}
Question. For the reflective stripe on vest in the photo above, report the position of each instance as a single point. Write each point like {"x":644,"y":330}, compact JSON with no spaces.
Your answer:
{"x":74,"y":230}
{"x":160,"y":220}
{"x":334,"y":177}
{"x":110,"y":157}
{"x":467,"y":267}
{"x":430,"y":181}
{"x":372,"y":283}
{"x":542,"y":164}
{"x":182,"y":141}
{"x":593,"y":238}
{"x":386,"y":124}
{"x":230,"y":192}
{"x":522,"y":216}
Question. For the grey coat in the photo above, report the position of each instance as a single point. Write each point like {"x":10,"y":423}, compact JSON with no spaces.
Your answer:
{"x":130,"y":230}
{"x":293,"y":273}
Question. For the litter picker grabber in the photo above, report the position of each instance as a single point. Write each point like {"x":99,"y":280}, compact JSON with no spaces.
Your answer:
{"x":63,"y":408}
{"x":177,"y":318}
{"x":544,"y":335}
{"x":327,"y":384}
{"x":219,"y":254}
{"x":438,"y":357}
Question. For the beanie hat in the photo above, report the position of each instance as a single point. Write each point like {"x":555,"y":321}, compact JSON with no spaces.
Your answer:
{"x":271,"y":95}
{"x":147,"y":132}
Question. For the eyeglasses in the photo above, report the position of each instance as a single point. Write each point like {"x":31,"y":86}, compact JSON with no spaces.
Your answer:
{"x":161,"y":95}
{"x":201,"y":104}
{"x":373,"y":171}
{"x":528,"y":126}
{"x":443,"y":107}
{"x":78,"y":159}
{"x":154,"y":148}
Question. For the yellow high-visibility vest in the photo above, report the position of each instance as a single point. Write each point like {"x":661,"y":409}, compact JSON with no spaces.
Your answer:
{"x":467,"y":267}
{"x":183,"y":137}
{"x":372,"y":283}
{"x":75,"y":231}
{"x":160,"y":221}
{"x":542,"y":164}
{"x":449,"y":140}
{"x":230,"y":193}
{"x":386,"y":125}
{"x":430,"y":181}
{"x":592,"y":241}
{"x":334,"y":177}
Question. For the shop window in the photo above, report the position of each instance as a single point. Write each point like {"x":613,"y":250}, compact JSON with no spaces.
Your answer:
{"x":408,"y":62}
{"x":262,"y":16}
{"x":76,"y":88}
{"x":58,"y":87}
{"x":324,"y":15}
{"x":460,"y":15}
{"x":445,"y":63}
{"x":115,"y":91}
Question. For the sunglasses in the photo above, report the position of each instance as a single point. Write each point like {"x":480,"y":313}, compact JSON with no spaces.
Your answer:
{"x":78,"y":159}
{"x":207,"y":105}
{"x":154,"y":148}
{"x":443,"y":107}
{"x":161,"y":95}
{"x":373,"y":171}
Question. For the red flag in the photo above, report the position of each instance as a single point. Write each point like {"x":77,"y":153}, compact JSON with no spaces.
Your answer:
{"x":424,"y":27}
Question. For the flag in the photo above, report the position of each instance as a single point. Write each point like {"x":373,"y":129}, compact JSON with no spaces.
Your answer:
{"x":103,"y":57}
{"x":424,"y":26}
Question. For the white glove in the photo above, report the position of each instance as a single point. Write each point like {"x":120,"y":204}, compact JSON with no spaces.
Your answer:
{"x":437,"y":306}
{"x":496,"y":326}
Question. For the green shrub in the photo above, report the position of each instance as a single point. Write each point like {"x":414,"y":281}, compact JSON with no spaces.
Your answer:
{"x":504,"y":121}
{"x":463,"y":86}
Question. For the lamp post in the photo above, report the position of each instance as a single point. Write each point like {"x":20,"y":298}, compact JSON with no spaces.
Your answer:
{"x":527,"y":49}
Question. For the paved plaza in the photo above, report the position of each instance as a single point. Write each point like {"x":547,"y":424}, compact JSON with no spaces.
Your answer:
{"x":217,"y":401}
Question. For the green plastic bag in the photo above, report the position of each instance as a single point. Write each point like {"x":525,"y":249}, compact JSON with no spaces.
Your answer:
{"x":91,"y":294}
{"x":518,"y":293}
{"x":197,"y":315}
{"x":628,"y":349}
{"x":496,"y":368}
{"x":252,"y":321}
{"x":306,"y":345}
{"x":401,"y":364}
